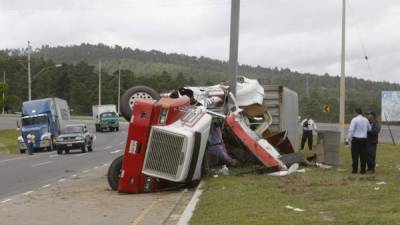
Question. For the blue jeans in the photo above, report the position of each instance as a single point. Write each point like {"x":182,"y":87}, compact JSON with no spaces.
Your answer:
{"x":30,"y":148}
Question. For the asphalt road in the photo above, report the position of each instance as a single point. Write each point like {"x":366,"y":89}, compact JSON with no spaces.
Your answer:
{"x":23,"y":173}
{"x":384,"y":135}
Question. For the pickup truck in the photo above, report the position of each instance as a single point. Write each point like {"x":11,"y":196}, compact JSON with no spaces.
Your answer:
{"x":75,"y":136}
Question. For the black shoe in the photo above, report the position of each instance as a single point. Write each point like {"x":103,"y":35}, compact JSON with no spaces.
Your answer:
{"x":370,"y":171}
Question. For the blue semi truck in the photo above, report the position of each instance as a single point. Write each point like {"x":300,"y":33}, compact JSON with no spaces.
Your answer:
{"x":45,"y":118}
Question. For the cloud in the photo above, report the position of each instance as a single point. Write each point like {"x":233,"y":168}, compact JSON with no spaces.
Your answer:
{"x":303,"y":35}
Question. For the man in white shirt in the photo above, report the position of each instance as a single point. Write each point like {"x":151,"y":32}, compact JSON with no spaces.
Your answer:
{"x":308,"y":126}
{"x":31,"y":141}
{"x":357,"y":134}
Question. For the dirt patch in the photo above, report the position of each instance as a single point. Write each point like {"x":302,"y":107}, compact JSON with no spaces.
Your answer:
{"x":87,"y":199}
{"x":327,"y":216}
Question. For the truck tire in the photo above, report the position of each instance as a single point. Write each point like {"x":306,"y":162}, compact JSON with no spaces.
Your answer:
{"x":114,"y":172}
{"x":66,"y":151}
{"x":51,"y":147}
{"x":90,"y":148}
{"x":117,"y":129}
{"x":22,"y":151}
{"x":133,"y":94}
{"x":83,"y":148}
{"x":59,"y":151}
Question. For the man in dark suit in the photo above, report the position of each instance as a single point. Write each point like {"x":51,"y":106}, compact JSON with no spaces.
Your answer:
{"x":372,"y":142}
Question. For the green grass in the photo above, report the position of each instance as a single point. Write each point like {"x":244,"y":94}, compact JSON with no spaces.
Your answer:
{"x":328,"y":196}
{"x":8,"y":141}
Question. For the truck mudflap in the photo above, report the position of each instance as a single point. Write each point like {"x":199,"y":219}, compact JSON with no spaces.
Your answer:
{"x":259,"y":147}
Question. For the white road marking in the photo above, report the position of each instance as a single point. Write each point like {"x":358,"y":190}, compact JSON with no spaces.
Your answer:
{"x":61,"y":180}
{"x":27,"y":193}
{"x":81,"y":154}
{"x":122,"y":142}
{"x":96,"y":167}
{"x":6,"y":200}
{"x":41,"y":164}
{"x":116,"y":151}
{"x":46,"y":186}
{"x":55,"y":155}
{"x":74,"y":175}
{"x":85,"y":171}
{"x":25,"y":157}
{"x":108,"y":147}
{"x":105,"y":164}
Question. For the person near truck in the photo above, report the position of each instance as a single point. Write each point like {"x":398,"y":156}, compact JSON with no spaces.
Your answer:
{"x":308,"y":126}
{"x":31,"y":140}
{"x":372,"y":141}
{"x":357,"y":135}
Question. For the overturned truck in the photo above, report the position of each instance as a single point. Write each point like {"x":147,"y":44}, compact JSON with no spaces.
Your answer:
{"x":168,"y":135}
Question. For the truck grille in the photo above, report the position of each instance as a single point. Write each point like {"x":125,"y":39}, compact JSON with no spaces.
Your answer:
{"x":164,"y":154}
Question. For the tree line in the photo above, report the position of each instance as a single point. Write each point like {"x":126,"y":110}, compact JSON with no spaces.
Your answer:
{"x":77,"y":80}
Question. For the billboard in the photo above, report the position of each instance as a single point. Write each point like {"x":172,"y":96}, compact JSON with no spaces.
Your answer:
{"x":390,"y":106}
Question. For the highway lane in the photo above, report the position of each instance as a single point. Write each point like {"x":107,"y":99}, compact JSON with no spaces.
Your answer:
{"x":384,"y":135}
{"x":8,"y":122}
{"x":23,"y":173}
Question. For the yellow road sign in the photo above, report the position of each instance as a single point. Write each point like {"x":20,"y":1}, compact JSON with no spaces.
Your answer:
{"x":326,"y":108}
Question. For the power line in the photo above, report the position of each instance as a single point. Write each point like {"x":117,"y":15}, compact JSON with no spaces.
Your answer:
{"x":363,"y":49}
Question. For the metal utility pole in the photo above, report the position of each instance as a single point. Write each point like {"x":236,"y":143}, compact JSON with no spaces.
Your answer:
{"x":307,"y":87}
{"x":29,"y":72}
{"x":342,"y":73}
{"x":4,"y":90}
{"x":234,"y":45}
{"x":119,"y":87}
{"x":99,"y":82}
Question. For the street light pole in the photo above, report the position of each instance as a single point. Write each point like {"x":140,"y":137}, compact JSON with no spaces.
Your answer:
{"x":4,"y":90}
{"x":99,"y":82}
{"x":29,"y":72}
{"x":234,"y":45}
{"x":342,"y":73}
{"x":119,"y":87}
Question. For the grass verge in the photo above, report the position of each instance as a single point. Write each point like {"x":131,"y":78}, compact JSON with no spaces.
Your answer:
{"x":8,"y":141}
{"x":328,"y":196}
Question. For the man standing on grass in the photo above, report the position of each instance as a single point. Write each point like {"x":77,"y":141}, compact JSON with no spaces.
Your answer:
{"x":372,"y":142}
{"x":308,"y":126}
{"x":357,"y":134}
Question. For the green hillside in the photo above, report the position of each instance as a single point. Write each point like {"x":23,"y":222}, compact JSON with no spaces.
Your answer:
{"x":165,"y":71}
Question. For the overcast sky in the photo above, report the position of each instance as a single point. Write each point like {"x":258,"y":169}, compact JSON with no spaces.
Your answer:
{"x":302,"y":35}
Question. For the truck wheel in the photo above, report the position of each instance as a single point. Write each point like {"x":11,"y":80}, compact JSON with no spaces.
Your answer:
{"x":83,"y":148}
{"x":66,"y":151}
{"x":133,"y":94}
{"x":59,"y":151}
{"x":22,"y":151}
{"x":117,"y":129}
{"x":114,"y":173}
{"x":90,"y":148}
{"x":51,"y":147}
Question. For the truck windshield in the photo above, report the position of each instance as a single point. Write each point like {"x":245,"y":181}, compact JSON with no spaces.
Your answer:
{"x":34,"y":120}
{"x":108,"y":115}
{"x":69,"y":130}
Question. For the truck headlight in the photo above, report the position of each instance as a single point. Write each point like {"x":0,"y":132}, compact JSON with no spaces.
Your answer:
{"x":59,"y":139}
{"x":20,"y":139}
{"x":46,"y":136}
{"x":79,"y":138}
